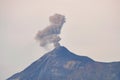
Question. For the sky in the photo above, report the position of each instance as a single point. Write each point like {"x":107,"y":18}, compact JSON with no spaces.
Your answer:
{"x":92,"y":29}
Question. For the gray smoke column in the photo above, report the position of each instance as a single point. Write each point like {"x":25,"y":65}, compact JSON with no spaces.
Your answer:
{"x":51,"y":33}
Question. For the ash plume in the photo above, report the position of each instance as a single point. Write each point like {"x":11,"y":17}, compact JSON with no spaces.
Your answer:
{"x":51,"y":33}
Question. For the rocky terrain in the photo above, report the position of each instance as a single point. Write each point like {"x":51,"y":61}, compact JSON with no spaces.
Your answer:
{"x":61,"y":64}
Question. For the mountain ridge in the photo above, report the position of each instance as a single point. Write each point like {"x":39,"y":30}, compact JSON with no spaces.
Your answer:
{"x":62,"y":64}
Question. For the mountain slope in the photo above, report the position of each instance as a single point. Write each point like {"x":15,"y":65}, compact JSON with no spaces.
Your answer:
{"x":61,"y":64}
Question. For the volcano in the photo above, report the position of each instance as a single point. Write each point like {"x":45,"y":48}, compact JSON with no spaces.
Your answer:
{"x":61,"y":64}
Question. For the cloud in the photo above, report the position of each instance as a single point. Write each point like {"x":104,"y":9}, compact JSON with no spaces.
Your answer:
{"x":50,"y":35}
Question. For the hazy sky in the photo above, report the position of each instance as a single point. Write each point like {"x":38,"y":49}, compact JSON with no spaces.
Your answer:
{"x":92,"y":28}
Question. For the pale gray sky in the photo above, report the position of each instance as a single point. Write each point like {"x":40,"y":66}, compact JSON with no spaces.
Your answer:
{"x":92,"y":29}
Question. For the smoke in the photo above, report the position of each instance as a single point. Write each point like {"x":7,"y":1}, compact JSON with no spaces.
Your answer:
{"x":51,"y":33}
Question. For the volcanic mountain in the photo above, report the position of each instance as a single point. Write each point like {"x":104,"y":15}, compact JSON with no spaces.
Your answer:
{"x":61,"y":64}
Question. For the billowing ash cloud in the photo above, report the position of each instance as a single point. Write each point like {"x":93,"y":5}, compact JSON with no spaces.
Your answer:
{"x":51,"y":33}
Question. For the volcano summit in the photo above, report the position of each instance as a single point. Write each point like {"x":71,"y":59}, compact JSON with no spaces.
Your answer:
{"x":61,"y":64}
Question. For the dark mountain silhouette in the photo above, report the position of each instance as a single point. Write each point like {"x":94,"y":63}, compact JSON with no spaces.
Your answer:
{"x":61,"y":64}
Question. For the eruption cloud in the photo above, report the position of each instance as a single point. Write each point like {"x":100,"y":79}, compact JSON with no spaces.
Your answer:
{"x":51,"y":33}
